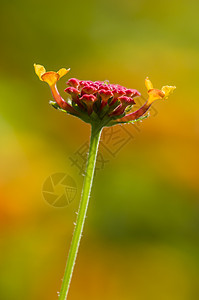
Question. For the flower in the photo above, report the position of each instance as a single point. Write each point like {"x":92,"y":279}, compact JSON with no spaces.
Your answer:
{"x":154,"y":94}
{"x":89,"y":101}
{"x":99,"y":101}
{"x":51,"y":78}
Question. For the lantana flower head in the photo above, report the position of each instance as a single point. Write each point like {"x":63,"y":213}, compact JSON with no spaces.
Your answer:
{"x":99,"y":101}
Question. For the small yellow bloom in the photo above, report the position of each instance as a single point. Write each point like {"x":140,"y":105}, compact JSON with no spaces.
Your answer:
{"x":148,"y":84}
{"x":50,"y":77}
{"x":168,"y":90}
{"x":155,"y":94}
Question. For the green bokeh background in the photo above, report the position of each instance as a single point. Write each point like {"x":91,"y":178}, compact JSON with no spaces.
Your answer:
{"x":141,"y":239}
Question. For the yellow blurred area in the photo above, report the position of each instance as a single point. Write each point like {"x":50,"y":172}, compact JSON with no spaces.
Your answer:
{"x":141,"y":239}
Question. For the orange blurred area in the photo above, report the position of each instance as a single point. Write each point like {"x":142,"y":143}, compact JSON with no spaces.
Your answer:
{"x":141,"y":238}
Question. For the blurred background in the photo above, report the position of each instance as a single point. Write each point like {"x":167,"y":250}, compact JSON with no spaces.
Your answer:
{"x":141,"y":239}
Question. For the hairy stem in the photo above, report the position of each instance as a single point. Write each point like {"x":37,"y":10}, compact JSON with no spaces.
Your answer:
{"x":88,"y":180}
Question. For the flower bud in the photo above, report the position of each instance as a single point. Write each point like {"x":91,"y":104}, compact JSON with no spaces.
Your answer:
{"x":88,"y":90}
{"x":73,"y":82}
{"x":125,"y":102}
{"x":89,"y":101}
{"x":72,"y":91}
{"x":105,"y":95}
{"x":132,"y":93}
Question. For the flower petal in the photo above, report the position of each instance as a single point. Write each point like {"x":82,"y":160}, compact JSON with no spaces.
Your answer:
{"x":50,"y":77}
{"x":148,"y":84}
{"x":155,"y":94}
{"x":168,"y":90}
{"x":39,"y":70}
{"x":63,"y":72}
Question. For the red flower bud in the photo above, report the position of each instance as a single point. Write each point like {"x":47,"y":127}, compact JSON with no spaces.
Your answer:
{"x":73,"y":82}
{"x":103,"y":87}
{"x":88,"y":90}
{"x":105,"y":95}
{"x":72,"y":91}
{"x":89,"y":101}
{"x":132,"y":93}
{"x":74,"y":95}
{"x":126,"y":100}
{"x":117,"y":92}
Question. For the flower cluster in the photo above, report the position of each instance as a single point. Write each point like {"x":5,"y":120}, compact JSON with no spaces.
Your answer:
{"x":100,"y":97}
{"x":99,"y":101}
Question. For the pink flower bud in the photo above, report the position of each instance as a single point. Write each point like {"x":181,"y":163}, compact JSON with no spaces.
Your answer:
{"x":88,"y":90}
{"x":118,"y":92}
{"x":73,"y":82}
{"x":89,"y":101}
{"x":74,"y":95}
{"x":105,"y":95}
{"x":82,"y":84}
{"x":103,"y":87}
{"x":72,"y":91}
{"x":126,"y":101}
{"x":88,"y":98}
{"x":132,"y":93}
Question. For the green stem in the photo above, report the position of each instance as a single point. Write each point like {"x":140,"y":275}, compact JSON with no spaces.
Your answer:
{"x":88,"y":180}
